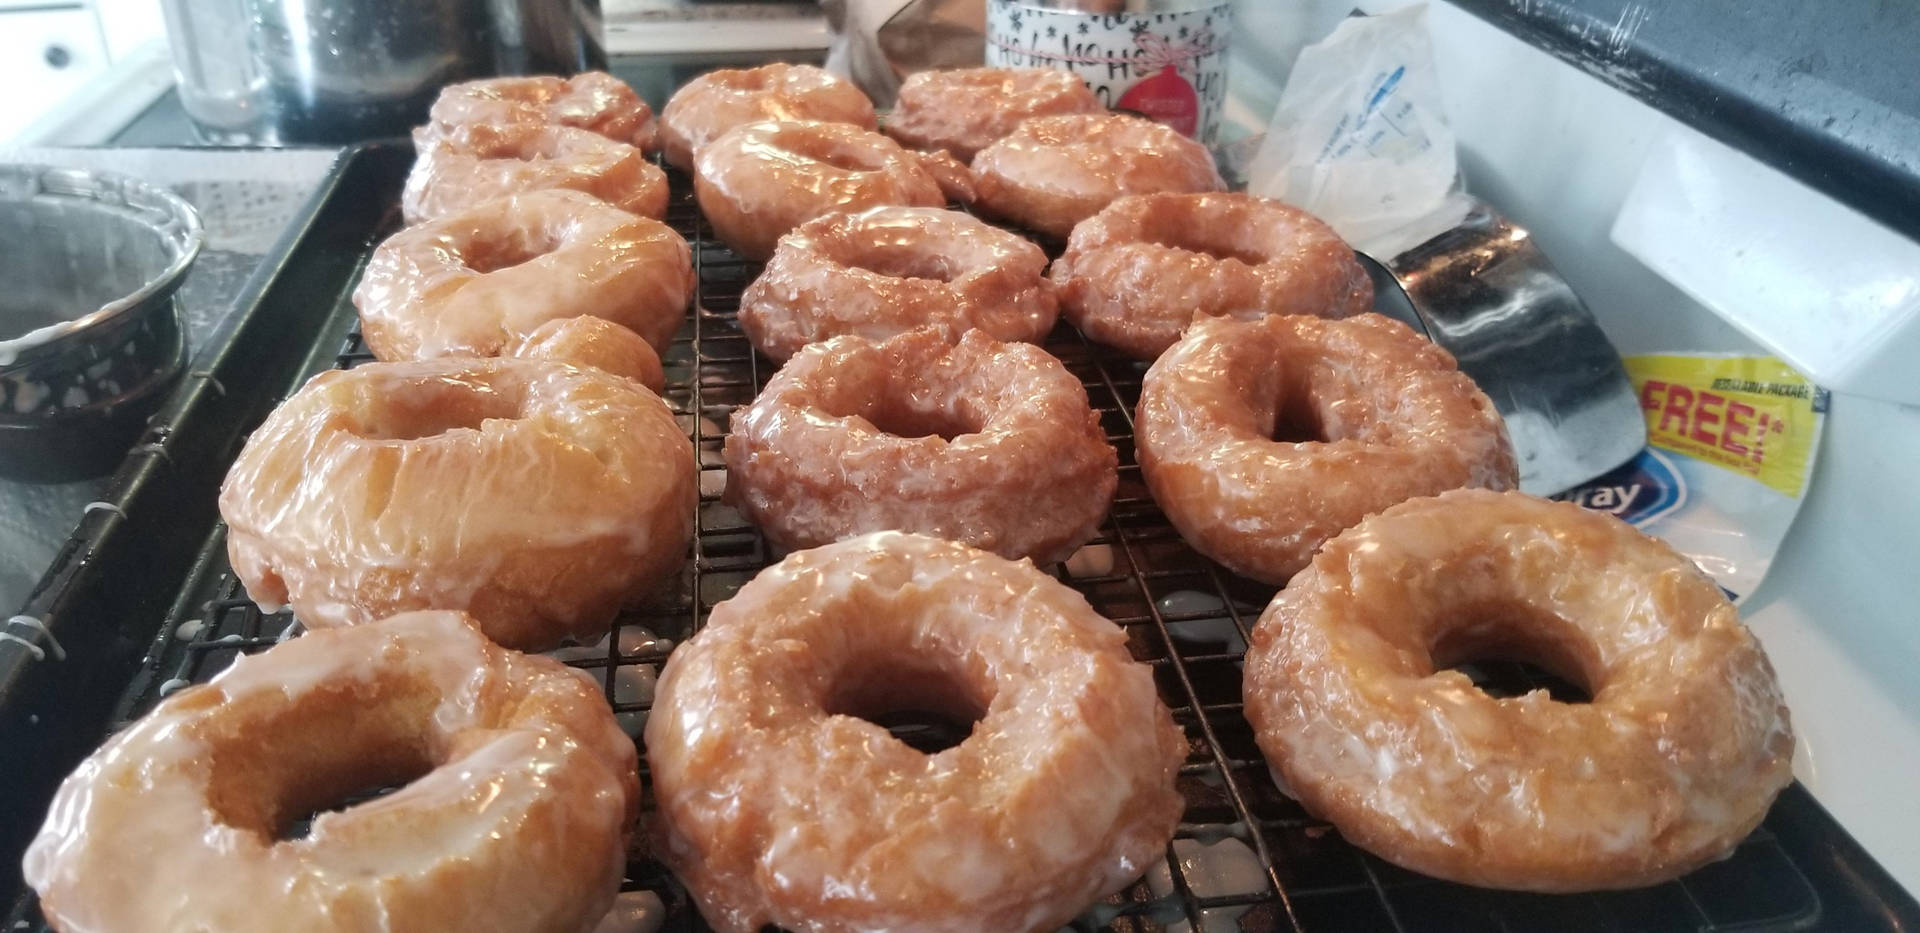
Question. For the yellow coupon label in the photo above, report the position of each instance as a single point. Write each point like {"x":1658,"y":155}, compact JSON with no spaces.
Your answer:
{"x":1750,"y":414}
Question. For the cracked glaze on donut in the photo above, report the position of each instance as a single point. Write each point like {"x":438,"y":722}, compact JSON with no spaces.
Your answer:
{"x":477,"y":282}
{"x":466,"y":167}
{"x":893,"y":269}
{"x":760,"y":180}
{"x":963,"y":110}
{"x":1051,"y":173}
{"x":708,"y":106}
{"x":1674,"y":761}
{"x":1381,"y":416}
{"x":594,"y":101}
{"x":1134,"y":275}
{"x":538,"y":498}
{"x":779,"y":805}
{"x":520,"y":793}
{"x":989,"y":443}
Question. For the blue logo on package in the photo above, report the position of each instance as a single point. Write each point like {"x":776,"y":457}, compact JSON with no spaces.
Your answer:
{"x":1638,"y":491}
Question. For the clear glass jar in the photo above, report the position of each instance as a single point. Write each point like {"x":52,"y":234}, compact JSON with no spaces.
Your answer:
{"x":221,"y":84}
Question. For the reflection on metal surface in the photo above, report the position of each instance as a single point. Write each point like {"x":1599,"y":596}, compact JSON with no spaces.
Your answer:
{"x":1486,"y":294}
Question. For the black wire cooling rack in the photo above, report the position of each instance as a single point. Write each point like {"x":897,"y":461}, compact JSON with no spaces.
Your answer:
{"x":1245,"y":856}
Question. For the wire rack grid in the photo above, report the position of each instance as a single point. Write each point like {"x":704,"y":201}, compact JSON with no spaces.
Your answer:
{"x":1245,"y":857}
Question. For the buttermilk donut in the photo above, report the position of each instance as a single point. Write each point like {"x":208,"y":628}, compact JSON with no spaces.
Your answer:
{"x":713,"y":103}
{"x":593,"y":101}
{"x":893,"y":269}
{"x":761,"y":180}
{"x":964,"y":110}
{"x":474,"y":165}
{"x":1368,"y":414}
{"x":476,"y":282}
{"x":1676,"y":759}
{"x":520,"y":792}
{"x":538,"y":498}
{"x":1134,"y":275}
{"x":782,"y":803}
{"x":987,"y":443}
{"x":592,"y":341}
{"x":1051,"y":173}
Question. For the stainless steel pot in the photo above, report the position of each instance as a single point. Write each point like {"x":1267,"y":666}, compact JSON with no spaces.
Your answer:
{"x":346,"y":70}
{"x":90,"y":335}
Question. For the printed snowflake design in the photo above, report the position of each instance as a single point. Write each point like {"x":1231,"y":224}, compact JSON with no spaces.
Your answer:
{"x":1086,"y":28}
{"x":1139,"y":27}
{"x":1052,"y":31}
{"x":1183,"y":32}
{"x":1013,"y":19}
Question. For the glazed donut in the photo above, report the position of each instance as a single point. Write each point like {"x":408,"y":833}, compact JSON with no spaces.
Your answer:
{"x":1368,"y":414}
{"x":893,"y":269}
{"x":593,"y":101}
{"x":779,"y":804}
{"x":987,"y":443}
{"x":520,"y":792}
{"x":761,"y":180}
{"x":470,"y":166}
{"x":382,"y":488}
{"x":1134,"y":275}
{"x":964,"y":110}
{"x":1676,"y":759}
{"x":713,"y":103}
{"x":473,"y":283}
{"x":592,"y":341}
{"x":1051,"y":173}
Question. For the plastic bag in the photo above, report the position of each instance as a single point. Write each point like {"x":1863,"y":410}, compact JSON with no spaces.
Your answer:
{"x":1730,"y":446}
{"x":1360,"y":139}
{"x":876,"y":43}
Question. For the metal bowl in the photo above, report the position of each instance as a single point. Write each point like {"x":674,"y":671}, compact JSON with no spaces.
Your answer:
{"x":90,"y":336}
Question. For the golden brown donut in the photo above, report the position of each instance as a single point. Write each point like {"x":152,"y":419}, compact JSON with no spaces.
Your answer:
{"x":594,"y":101}
{"x":1368,"y":413}
{"x":520,"y":794}
{"x":592,"y":341}
{"x":469,"y":166}
{"x":1134,"y":275}
{"x":1676,"y":759}
{"x":963,"y":110}
{"x":893,"y":269}
{"x":538,"y":498}
{"x":779,"y":804}
{"x":476,"y":282}
{"x":1051,"y":173}
{"x":988,"y":443}
{"x":760,"y":180}
{"x":713,"y":103}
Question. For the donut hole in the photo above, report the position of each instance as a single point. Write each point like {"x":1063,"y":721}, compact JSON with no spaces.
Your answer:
{"x":924,"y":706}
{"x":1216,"y":241}
{"x":1511,"y":650}
{"x":901,"y":419}
{"x":492,"y":254}
{"x":430,"y":408}
{"x":1297,"y":420}
{"x":277,"y":764}
{"x":902,"y":264}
